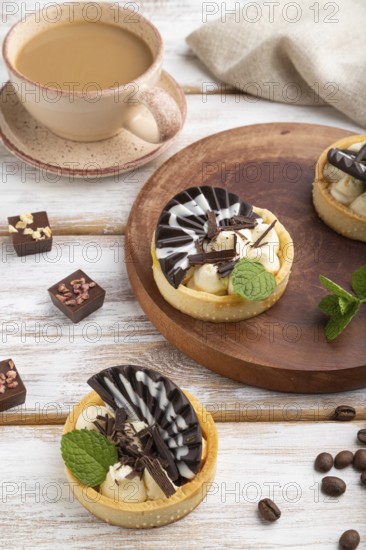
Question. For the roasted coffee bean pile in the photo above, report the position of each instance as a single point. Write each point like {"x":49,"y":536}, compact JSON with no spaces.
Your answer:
{"x":331,"y":485}
{"x":335,"y":486}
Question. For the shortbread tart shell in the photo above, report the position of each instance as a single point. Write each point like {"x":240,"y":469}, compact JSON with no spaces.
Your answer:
{"x":333,"y":213}
{"x":228,"y":308}
{"x":152,"y":513}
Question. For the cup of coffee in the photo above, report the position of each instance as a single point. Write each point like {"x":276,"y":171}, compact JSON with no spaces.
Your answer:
{"x":87,"y":70}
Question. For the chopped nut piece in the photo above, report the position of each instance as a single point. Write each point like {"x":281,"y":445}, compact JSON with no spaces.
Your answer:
{"x":12,"y":229}
{"x":11,"y":374}
{"x":37,"y":236}
{"x":47,"y":231}
{"x":21,"y":225}
{"x":60,"y":298}
{"x":76,"y":282}
{"x":13,"y":385}
{"x":92,"y":284}
{"x":11,"y":364}
{"x":2,"y":377}
{"x":28,"y":231}
{"x":62,"y":288}
{"x":2,"y":389}
{"x":67,"y":294}
{"x":79,"y":300}
{"x":84,"y":296}
{"x":70,"y":303}
{"x":27,"y":218}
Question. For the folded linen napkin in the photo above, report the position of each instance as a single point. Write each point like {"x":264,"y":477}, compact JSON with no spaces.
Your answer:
{"x":304,"y":52}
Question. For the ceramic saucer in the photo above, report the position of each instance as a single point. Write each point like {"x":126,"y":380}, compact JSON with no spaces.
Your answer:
{"x":34,"y":144}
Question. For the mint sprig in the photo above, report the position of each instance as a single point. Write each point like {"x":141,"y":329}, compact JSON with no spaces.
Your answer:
{"x":251,"y":281}
{"x":341,"y":306}
{"x":88,"y":455}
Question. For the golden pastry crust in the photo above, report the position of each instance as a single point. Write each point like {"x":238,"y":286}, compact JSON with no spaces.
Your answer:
{"x":152,"y":513}
{"x":228,"y":308}
{"x":335,"y":214}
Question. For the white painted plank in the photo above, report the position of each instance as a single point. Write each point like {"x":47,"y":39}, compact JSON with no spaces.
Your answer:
{"x":55,"y":357}
{"x":103,"y":206}
{"x":255,"y":461}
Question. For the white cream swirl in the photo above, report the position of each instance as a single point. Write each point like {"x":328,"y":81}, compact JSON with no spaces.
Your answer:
{"x":205,"y":278}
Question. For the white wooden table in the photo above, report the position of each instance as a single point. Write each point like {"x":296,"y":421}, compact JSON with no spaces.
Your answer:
{"x":267,"y":440}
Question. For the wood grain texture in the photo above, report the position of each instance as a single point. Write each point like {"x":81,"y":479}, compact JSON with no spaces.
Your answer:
{"x":284,"y":348}
{"x":24,"y":185}
{"x":55,"y":366}
{"x":255,"y":461}
{"x":105,"y":204}
{"x":55,"y":357}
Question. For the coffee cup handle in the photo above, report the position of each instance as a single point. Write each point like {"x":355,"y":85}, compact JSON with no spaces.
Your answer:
{"x":165,"y":111}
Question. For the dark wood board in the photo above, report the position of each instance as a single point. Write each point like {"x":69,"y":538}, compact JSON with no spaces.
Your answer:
{"x":284,"y":349}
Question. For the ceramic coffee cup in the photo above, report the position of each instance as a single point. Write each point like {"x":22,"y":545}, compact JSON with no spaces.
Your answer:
{"x":139,"y":106}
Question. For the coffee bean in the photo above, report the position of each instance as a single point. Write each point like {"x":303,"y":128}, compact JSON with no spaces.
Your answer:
{"x":344,"y":413}
{"x":343,"y":459}
{"x":268,"y":509}
{"x":363,"y":477}
{"x":333,"y":486}
{"x":323,"y":462}
{"x":359,"y":460}
{"x":361,"y":436}
{"x":349,"y":540}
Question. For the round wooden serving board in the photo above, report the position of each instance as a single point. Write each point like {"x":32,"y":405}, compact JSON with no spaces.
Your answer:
{"x":270,"y":166}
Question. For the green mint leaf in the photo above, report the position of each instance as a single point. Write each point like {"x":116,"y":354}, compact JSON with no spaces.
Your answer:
{"x":251,"y":281}
{"x":330,"y":305}
{"x":88,"y":455}
{"x":359,"y":282}
{"x":344,"y":304}
{"x":334,"y":305}
{"x":336,"y":289}
{"x":338,"y":322}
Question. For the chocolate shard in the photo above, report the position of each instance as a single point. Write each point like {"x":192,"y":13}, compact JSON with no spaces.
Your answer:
{"x":198,"y":246}
{"x":350,"y":162}
{"x":260,"y":239}
{"x":212,"y":225}
{"x":121,"y":417}
{"x":213,"y":257}
{"x":164,"y":453}
{"x":248,"y":221}
{"x":159,"y":475}
{"x":110,"y":426}
{"x":226,"y":268}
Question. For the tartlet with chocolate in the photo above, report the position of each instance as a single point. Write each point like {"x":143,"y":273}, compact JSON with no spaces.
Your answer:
{"x":139,"y":451}
{"x":339,"y":189}
{"x":217,"y":258}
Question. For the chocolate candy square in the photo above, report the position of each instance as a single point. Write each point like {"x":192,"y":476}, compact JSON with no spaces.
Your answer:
{"x":77,"y":296}
{"x":12,"y":389}
{"x":30,"y":233}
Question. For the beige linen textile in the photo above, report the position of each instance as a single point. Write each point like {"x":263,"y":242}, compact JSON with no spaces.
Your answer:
{"x":304,"y":52}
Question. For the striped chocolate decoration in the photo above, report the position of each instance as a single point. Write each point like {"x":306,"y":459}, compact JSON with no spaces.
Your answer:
{"x":151,"y":397}
{"x":350,"y":162}
{"x":184,"y":223}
